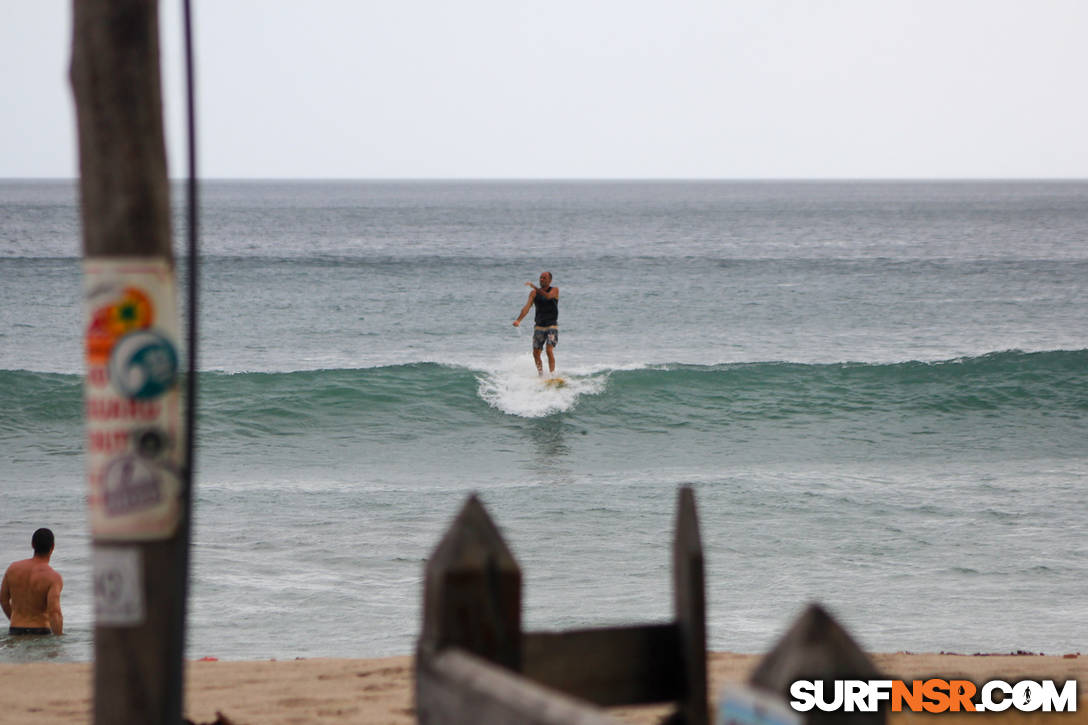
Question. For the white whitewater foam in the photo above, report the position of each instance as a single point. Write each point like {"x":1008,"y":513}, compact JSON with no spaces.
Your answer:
{"x":514,"y":388}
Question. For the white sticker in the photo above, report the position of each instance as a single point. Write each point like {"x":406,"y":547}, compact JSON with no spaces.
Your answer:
{"x":743,"y":705}
{"x":118,"y":587}
{"x":133,"y":405}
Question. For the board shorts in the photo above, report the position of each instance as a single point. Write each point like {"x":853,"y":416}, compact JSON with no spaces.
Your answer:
{"x":29,"y":630}
{"x":545,"y":336}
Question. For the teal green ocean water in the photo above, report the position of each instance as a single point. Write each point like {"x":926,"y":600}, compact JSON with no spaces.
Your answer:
{"x":879,"y":392}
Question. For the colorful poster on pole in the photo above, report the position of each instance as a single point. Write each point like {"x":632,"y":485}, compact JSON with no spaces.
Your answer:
{"x":133,"y":405}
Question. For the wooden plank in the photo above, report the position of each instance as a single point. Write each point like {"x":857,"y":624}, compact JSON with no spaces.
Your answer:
{"x":689,"y":598}
{"x":816,"y":647}
{"x":454,"y":687}
{"x":472,"y":591}
{"x":608,"y":666}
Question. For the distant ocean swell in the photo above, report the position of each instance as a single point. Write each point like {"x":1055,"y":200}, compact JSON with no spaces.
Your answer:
{"x":425,"y":395}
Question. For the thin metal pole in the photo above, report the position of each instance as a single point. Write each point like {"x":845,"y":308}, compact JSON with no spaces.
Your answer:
{"x":185,"y":532}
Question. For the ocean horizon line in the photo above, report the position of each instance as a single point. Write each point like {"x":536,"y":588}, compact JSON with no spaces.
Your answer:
{"x":603,"y":179}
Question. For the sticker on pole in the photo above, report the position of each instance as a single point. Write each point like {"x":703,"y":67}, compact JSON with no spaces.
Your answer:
{"x":118,"y":587}
{"x":133,"y":405}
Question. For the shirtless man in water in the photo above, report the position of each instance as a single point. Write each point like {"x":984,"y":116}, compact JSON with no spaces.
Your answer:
{"x":546,"y":332}
{"x":30,"y":591}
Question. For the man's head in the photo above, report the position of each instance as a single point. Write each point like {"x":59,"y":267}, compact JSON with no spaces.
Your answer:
{"x":545,"y":279}
{"x":42,"y":542}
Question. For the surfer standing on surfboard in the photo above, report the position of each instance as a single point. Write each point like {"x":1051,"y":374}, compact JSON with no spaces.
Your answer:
{"x":546,"y":332}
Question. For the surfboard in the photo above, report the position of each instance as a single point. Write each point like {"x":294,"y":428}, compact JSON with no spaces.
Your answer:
{"x":555,"y":382}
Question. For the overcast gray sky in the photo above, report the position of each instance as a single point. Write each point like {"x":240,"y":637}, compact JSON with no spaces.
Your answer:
{"x":591,"y":88}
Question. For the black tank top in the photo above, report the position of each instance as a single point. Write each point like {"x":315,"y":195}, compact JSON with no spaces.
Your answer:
{"x":547,"y":310}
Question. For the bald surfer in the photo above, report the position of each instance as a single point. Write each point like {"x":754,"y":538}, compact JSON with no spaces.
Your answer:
{"x":546,"y":331}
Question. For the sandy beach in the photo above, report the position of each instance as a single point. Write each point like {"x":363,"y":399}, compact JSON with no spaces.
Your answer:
{"x":379,"y":691}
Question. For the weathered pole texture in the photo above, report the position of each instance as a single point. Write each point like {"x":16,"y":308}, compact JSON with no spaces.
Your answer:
{"x":472,"y":591}
{"x":122,"y":155}
{"x":471,"y":607}
{"x":138,"y":522}
{"x":816,"y":648}
{"x":689,"y":600}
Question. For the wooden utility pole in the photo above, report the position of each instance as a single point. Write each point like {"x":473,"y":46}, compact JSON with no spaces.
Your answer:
{"x":137,"y":505}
